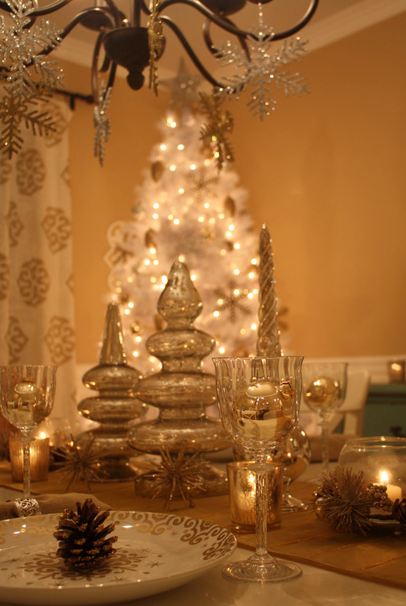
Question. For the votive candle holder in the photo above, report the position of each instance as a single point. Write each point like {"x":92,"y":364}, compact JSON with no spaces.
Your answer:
{"x":242,"y":482}
{"x":39,"y":458}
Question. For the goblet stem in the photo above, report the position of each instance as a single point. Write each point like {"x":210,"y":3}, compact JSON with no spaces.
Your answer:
{"x":325,"y":434}
{"x":26,"y":439}
{"x":261,"y":511}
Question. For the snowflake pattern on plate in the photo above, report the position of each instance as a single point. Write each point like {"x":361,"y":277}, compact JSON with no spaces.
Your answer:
{"x":155,"y":552}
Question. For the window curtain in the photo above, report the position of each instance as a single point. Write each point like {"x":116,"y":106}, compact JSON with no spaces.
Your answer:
{"x":36,"y":280}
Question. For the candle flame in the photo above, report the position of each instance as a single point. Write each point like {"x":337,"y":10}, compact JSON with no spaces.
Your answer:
{"x":383,"y":476}
{"x":42,"y":435}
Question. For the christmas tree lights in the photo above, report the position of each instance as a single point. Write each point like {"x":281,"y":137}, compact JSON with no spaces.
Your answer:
{"x":186,"y":210}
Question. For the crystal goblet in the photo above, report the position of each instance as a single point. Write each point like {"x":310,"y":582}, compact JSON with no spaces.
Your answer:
{"x":27,"y":396}
{"x":324,"y":389}
{"x":259,"y":402}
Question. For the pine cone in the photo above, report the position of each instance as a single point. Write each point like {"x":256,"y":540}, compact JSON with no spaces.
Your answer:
{"x":82,"y":536}
{"x":399,"y":510}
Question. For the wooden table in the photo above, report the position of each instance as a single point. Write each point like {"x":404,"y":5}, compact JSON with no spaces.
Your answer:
{"x":301,"y":537}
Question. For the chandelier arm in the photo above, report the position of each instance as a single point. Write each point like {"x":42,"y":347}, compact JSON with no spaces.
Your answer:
{"x":300,"y":25}
{"x":227,"y":25}
{"x":206,"y":12}
{"x":117,"y":14}
{"x":136,"y":13}
{"x":107,"y":65}
{"x":213,"y":49}
{"x":195,"y":59}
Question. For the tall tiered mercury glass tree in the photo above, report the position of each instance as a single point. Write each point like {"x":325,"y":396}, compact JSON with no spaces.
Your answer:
{"x":187,"y":210}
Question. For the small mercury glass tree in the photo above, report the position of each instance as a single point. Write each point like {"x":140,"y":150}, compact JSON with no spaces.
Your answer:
{"x":186,"y":210}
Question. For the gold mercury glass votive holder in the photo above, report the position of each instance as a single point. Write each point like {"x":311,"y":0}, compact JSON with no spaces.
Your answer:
{"x":397,"y":371}
{"x":39,"y":458}
{"x":242,"y":481}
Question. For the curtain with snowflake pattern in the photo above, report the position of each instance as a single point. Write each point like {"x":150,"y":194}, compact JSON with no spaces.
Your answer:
{"x":36,"y":282}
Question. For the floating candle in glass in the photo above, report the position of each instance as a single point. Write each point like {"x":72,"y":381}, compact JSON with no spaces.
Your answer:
{"x":381,"y":459}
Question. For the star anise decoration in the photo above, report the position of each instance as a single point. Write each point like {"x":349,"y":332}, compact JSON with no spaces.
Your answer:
{"x":79,"y":461}
{"x":178,"y":474}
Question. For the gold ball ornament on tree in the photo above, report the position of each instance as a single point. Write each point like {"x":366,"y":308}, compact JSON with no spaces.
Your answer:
{"x":157,"y":170}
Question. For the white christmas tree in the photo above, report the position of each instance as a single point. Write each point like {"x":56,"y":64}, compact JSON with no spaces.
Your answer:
{"x":186,"y":209}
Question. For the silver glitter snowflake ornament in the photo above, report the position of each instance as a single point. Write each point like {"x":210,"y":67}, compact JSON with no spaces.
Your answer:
{"x":102,"y":124}
{"x":27,"y":71}
{"x":259,"y":69}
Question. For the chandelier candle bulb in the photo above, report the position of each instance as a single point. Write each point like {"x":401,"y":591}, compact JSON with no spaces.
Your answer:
{"x":39,"y":458}
{"x":242,"y":483}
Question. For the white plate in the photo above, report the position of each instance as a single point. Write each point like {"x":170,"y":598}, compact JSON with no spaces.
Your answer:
{"x":155,"y":552}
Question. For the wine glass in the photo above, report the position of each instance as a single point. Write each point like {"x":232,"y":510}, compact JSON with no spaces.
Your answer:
{"x":259,"y":402}
{"x":294,"y":458}
{"x":27,"y":396}
{"x":324,"y":388}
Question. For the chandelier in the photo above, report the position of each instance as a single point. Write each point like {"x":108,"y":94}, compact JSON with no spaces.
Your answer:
{"x":136,"y":42}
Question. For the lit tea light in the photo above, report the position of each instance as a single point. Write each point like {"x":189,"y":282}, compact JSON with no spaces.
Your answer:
{"x":39,"y":457}
{"x":392,"y":490}
{"x":242,"y":484}
{"x":397,"y":371}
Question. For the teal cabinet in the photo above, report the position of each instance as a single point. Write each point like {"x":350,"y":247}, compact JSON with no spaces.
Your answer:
{"x":385,"y":408}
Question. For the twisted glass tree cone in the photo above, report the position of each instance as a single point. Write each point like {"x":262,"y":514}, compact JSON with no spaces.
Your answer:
{"x":181,"y":390}
{"x":259,"y":402}
{"x":115,"y":406}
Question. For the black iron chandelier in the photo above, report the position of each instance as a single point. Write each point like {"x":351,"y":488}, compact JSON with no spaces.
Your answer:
{"x":136,"y":42}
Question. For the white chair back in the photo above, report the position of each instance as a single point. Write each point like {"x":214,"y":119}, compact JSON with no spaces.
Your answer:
{"x":353,"y":408}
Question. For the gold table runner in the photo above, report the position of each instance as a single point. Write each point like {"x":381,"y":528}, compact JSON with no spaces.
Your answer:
{"x":301,"y":537}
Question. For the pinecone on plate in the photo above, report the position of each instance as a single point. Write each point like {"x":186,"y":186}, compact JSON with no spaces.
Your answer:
{"x":83,"y":540}
{"x":399,"y":510}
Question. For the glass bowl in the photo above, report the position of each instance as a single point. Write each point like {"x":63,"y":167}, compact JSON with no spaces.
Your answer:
{"x":381,"y":459}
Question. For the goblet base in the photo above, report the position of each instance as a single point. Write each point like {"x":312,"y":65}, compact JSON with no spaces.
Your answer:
{"x":262,"y":570}
{"x":291,"y":504}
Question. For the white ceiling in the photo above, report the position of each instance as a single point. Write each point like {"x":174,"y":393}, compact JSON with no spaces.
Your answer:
{"x":334,"y":19}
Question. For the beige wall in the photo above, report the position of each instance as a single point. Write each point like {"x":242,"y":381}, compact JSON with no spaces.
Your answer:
{"x":326,"y":174}
{"x":102,"y":195}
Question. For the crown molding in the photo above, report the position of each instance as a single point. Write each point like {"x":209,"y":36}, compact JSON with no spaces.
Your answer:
{"x":331,"y":29}
{"x":351,"y":20}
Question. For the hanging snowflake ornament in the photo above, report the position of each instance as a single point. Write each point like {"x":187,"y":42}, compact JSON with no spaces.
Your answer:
{"x":216,"y":128}
{"x":15,"y":113}
{"x":156,"y":42}
{"x":259,"y":67}
{"x":26,"y":73}
{"x":102,"y":124}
